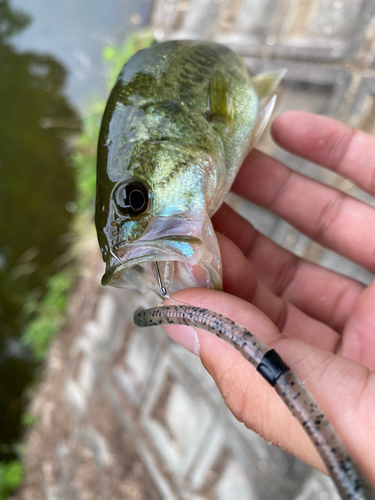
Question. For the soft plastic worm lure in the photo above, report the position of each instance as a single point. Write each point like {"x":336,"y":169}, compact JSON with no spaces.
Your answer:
{"x":349,"y":480}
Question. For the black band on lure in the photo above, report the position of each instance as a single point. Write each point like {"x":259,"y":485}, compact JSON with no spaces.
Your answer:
{"x":271,"y":367}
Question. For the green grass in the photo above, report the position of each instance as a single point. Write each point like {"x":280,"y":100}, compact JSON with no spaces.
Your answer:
{"x":29,"y":420}
{"x":11,"y":475}
{"x":49,"y":314}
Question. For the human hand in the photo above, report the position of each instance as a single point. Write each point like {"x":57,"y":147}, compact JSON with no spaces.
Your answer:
{"x":322,"y":324}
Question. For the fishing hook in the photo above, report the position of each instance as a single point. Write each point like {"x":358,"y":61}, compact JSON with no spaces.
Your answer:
{"x":163,"y":290}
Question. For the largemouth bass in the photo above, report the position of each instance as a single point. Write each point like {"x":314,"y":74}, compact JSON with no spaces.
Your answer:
{"x":177,"y":126}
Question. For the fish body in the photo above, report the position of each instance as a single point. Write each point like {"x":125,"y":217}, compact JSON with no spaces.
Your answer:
{"x":177,"y":126}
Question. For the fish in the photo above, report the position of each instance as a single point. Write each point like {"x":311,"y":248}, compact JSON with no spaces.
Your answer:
{"x":178,"y":123}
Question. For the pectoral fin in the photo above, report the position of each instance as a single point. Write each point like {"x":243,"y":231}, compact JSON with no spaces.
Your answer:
{"x":264,"y":118}
{"x":220,"y":101}
{"x":267,"y":106}
{"x":265,"y":83}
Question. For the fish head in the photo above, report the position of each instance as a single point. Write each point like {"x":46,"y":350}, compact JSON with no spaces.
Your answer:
{"x":155,"y":208}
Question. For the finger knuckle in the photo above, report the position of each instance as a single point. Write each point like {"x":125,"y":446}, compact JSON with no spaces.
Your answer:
{"x":328,"y":216}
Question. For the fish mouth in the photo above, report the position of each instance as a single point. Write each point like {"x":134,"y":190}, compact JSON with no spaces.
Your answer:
{"x":183,"y":262}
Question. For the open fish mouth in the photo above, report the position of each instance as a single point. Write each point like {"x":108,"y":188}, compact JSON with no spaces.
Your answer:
{"x":183,"y":262}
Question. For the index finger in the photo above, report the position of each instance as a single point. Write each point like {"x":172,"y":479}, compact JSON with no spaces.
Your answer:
{"x":330,"y":143}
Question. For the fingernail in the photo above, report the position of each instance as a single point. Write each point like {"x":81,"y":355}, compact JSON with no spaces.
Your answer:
{"x":186,"y":336}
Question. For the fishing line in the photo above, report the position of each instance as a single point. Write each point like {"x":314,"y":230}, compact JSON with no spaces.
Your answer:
{"x":348,"y":478}
{"x":180,"y":308}
{"x":164,"y":292}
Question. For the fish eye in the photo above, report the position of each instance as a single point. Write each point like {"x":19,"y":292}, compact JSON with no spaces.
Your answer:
{"x":132,"y":198}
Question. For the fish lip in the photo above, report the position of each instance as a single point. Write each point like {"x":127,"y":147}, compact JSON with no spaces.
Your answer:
{"x":114,"y":273}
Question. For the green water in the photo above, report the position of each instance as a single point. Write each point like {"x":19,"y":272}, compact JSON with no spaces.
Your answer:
{"x":36,"y":183}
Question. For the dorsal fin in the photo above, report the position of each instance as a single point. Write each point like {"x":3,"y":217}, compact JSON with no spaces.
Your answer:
{"x":265,"y":83}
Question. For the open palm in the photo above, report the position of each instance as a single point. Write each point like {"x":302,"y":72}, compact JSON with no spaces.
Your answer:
{"x":321,"y":323}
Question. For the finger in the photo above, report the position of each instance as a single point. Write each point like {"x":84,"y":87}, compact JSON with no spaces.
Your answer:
{"x":359,"y":333}
{"x":334,"y":145}
{"x":324,"y":214}
{"x":322,"y":294}
{"x":240,"y":280}
{"x":338,"y":385}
